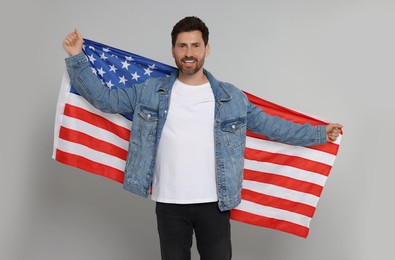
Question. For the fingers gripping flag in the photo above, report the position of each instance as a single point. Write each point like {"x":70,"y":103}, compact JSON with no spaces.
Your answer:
{"x":282,"y":183}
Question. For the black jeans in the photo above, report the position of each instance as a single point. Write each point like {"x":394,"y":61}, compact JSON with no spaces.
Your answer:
{"x":176,"y":223}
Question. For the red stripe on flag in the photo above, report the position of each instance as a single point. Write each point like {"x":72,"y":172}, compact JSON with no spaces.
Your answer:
{"x":283,"y":181}
{"x":276,"y":202}
{"x":96,"y":120}
{"x":89,"y":165}
{"x":276,"y":224}
{"x":92,"y":142}
{"x":288,"y":160}
{"x":329,"y":147}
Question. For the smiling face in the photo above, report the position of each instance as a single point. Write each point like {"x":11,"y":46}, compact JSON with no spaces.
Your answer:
{"x":189,"y":53}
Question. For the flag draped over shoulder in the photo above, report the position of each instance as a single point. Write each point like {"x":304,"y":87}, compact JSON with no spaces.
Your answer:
{"x":282,"y":183}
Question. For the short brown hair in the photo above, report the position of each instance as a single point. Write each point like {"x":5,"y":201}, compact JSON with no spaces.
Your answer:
{"x":188,"y":24}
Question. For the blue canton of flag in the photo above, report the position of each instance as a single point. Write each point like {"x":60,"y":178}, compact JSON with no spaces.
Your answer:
{"x":121,"y":69}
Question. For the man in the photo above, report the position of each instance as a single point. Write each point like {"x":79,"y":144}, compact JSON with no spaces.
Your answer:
{"x":187,"y":141}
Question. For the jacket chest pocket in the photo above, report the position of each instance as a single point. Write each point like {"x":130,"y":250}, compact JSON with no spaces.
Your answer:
{"x":234,"y":131}
{"x":148,"y":120}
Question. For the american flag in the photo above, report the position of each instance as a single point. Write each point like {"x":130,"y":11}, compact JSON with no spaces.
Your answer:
{"x":282,"y":183}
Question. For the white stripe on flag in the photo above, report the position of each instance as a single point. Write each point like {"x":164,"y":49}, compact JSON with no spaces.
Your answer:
{"x":91,"y":154}
{"x":63,"y":95}
{"x":287,"y":171}
{"x":275,"y":213}
{"x":117,"y":119}
{"x":96,"y":132}
{"x":338,"y":140}
{"x":280,"y":192}
{"x":299,"y":151}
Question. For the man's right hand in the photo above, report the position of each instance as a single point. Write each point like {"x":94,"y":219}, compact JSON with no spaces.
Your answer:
{"x":72,"y":44}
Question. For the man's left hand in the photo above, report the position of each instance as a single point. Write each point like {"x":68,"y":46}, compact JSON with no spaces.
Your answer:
{"x":333,"y":131}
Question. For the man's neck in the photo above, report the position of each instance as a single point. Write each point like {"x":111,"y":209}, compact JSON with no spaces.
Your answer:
{"x":193,"y":80}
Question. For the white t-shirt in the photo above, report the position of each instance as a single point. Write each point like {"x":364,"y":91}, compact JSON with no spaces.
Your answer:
{"x":185,"y":164}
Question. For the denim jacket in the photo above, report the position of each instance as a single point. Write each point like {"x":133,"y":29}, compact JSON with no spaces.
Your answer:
{"x":149,"y":103}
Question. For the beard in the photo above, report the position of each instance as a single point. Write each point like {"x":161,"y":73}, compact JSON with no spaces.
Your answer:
{"x":185,"y":69}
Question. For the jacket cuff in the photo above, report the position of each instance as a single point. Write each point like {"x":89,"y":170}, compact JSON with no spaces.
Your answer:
{"x":321,"y":133}
{"x":76,"y":59}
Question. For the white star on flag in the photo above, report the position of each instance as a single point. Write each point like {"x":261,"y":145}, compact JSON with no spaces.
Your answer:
{"x":122,"y":80}
{"x":147,"y":71}
{"x":135,"y":76}
{"x":125,"y":64}
{"x":103,"y":57}
{"x":113,"y":68}
{"x":109,"y":84}
{"x":92,"y":59}
{"x":101,"y":72}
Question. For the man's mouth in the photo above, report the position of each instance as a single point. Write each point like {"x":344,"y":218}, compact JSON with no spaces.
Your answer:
{"x":189,"y":61}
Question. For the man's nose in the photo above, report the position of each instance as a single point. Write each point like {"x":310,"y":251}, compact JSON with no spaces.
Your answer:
{"x":188,"y":52}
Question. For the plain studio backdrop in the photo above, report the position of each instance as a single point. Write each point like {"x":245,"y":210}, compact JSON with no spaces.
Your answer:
{"x":332,"y":58}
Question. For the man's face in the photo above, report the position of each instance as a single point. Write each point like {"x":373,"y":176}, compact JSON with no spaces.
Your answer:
{"x":189,"y":52}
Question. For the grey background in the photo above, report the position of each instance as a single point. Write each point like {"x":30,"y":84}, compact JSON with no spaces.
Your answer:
{"x":330,"y":58}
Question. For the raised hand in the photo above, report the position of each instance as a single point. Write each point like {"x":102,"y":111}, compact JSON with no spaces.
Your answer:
{"x":72,"y":43}
{"x":333,"y":132}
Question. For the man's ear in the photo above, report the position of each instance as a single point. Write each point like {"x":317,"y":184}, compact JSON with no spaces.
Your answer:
{"x":208,"y":49}
{"x":172,"y":51}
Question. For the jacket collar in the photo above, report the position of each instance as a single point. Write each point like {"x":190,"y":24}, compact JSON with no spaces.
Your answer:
{"x":220,"y":93}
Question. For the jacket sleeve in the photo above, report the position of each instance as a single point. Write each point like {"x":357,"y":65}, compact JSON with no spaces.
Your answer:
{"x":284,"y":131}
{"x":119,"y":100}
